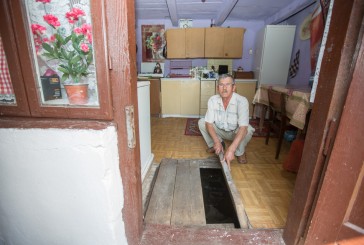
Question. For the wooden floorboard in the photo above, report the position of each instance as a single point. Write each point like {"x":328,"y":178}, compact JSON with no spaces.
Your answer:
{"x":188,"y":206}
{"x":161,"y":202}
{"x":265,"y":187}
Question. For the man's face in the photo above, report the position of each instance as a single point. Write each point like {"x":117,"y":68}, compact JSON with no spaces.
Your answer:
{"x":226,"y":87}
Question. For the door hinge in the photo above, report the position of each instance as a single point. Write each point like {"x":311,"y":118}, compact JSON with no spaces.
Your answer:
{"x":130,"y":126}
{"x":330,"y":137}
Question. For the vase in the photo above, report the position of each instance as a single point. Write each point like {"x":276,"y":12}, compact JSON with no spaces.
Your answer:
{"x":77,"y":93}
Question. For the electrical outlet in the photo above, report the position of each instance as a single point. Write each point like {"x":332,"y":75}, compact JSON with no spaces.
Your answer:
{"x":250,"y":51}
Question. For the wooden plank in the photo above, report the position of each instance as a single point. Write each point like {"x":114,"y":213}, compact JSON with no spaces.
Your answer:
{"x":160,"y":205}
{"x":197,"y":205}
{"x":188,"y":206}
{"x":209,"y":163}
{"x":235,"y":196}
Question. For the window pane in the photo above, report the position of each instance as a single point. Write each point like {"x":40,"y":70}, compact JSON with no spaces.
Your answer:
{"x":6,"y":87}
{"x":61,"y":37}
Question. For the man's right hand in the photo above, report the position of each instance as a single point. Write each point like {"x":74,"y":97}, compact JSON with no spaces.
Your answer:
{"x":218,"y":148}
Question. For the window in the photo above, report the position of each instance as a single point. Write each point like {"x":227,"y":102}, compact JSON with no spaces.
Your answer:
{"x":60,"y":43}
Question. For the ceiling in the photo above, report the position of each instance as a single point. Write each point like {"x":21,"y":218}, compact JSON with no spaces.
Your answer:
{"x":218,"y":10}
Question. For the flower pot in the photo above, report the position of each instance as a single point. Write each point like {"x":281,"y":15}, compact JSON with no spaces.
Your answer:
{"x":77,"y":93}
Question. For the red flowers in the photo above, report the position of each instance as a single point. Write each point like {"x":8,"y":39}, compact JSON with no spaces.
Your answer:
{"x":37,"y":29}
{"x":43,"y":1}
{"x":51,"y":20}
{"x":85,"y":30}
{"x":74,"y":15}
{"x":84,"y":47}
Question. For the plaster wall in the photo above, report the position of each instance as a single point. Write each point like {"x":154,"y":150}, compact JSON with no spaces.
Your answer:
{"x":60,"y":186}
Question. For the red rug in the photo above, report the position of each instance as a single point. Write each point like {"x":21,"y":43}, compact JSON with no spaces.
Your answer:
{"x":193,"y":130}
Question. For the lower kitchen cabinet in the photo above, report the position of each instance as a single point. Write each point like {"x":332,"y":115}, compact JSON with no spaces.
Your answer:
{"x":180,"y":97}
{"x":208,"y":89}
{"x":155,"y":88}
{"x":247,"y":88}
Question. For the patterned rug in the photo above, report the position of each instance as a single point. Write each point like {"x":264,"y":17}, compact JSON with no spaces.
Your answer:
{"x":193,"y":130}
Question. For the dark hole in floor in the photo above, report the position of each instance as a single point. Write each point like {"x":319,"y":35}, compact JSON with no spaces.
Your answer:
{"x":219,"y":208}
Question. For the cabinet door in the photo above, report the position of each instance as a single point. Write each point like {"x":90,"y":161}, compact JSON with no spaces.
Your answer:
{"x":247,"y":89}
{"x":171,"y":93}
{"x":190,"y":97}
{"x":195,"y":42}
{"x":233,"y":42}
{"x":214,"y":42}
{"x":208,"y":89}
{"x":155,"y":88}
{"x":176,"y":42}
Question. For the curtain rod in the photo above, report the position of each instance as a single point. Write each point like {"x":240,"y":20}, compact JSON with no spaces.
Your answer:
{"x":296,"y":12}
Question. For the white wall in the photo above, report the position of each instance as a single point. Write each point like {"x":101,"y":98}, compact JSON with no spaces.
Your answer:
{"x":60,"y":187}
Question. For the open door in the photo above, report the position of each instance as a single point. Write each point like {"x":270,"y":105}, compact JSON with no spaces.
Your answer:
{"x":339,"y":213}
{"x":328,"y":195}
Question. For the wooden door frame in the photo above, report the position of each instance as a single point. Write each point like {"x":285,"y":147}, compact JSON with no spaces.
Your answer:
{"x":342,"y":183}
{"x":334,"y":81}
{"x":121,"y":43}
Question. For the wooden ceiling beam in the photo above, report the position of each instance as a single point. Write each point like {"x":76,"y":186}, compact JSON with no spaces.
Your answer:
{"x":225,"y":11}
{"x":172,"y":8}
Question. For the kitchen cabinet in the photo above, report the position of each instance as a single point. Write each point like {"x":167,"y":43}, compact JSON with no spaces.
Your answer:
{"x":208,"y":89}
{"x":247,"y":88}
{"x":155,"y":88}
{"x":224,"y":42}
{"x":273,"y":54}
{"x":185,"y":43}
{"x":180,"y":97}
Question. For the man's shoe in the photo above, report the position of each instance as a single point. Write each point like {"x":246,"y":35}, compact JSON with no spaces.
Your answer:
{"x":212,"y":150}
{"x":242,"y":159}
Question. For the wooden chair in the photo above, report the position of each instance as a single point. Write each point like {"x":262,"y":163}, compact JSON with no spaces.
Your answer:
{"x":278,"y":120}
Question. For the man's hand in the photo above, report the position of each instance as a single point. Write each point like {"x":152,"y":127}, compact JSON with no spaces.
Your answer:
{"x":218,"y":147}
{"x":229,"y":156}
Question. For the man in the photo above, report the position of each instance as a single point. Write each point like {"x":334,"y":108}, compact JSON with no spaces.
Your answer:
{"x":227,"y":117}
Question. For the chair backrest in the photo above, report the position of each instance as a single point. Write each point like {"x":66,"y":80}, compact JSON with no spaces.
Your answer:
{"x":277,"y":101}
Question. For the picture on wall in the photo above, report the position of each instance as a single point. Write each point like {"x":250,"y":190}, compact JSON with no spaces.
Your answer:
{"x":153,"y":43}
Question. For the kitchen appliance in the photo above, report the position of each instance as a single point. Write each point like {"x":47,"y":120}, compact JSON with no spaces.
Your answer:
{"x":223,"y":69}
{"x":146,"y":156}
{"x":272,"y":57}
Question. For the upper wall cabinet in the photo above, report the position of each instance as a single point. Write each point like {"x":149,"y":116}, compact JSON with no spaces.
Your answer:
{"x":224,"y":42}
{"x":185,"y":43}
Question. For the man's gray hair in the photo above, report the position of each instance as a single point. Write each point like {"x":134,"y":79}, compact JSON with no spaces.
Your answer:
{"x":226,"y":75}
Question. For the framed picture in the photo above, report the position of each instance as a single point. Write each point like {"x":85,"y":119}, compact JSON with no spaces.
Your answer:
{"x":153,"y":43}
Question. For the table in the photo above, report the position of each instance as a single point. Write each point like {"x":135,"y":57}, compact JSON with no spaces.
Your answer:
{"x":297,"y":103}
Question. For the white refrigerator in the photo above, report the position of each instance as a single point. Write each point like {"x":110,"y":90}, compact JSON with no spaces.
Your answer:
{"x":273,"y":52}
{"x":146,"y":156}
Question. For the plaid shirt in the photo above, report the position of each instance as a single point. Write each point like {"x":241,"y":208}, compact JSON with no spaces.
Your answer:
{"x":235,"y":115}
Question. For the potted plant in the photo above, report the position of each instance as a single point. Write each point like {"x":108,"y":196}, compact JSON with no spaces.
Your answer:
{"x":69,"y":48}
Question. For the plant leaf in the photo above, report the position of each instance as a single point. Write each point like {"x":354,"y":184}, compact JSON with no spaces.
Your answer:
{"x":65,"y":77}
{"x":48,"y":47}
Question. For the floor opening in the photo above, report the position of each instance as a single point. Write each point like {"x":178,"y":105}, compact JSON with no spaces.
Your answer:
{"x":219,"y":208}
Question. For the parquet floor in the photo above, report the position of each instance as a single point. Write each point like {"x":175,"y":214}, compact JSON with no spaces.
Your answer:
{"x":266,"y":188}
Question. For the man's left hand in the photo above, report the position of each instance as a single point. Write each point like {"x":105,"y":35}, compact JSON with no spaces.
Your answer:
{"x":228,"y":157}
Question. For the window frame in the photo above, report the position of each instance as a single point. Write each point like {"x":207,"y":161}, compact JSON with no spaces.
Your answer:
{"x":104,"y":110}
{"x":21,"y":107}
